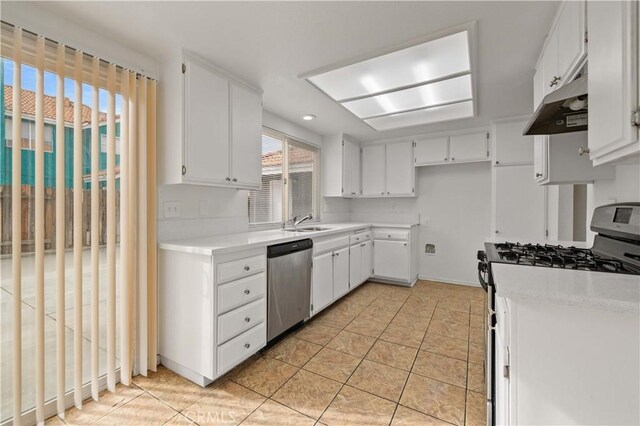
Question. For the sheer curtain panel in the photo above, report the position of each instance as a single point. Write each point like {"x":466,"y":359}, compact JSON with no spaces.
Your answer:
{"x":81,"y":214}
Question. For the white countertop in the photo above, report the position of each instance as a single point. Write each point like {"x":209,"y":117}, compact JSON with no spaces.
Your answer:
{"x":255,"y":239}
{"x":602,"y":290}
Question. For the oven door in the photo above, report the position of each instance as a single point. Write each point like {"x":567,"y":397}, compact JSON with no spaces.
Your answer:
{"x":486,"y":281}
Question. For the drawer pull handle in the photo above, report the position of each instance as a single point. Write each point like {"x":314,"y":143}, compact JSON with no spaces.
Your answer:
{"x":247,"y":291}
{"x":246,"y":268}
{"x":389,"y":236}
{"x":247,"y":319}
{"x":247,"y":345}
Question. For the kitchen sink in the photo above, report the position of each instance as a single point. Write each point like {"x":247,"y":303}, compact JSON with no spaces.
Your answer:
{"x":308,"y":229}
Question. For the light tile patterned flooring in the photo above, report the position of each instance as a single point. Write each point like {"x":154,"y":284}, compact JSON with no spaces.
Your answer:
{"x":382,"y":355}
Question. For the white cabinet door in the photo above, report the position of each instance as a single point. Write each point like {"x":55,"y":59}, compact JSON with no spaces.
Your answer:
{"x":246,"y":137}
{"x":391,"y":259}
{"x":540,"y":157}
{"x":366,"y":260}
{"x":355,"y":265}
{"x":519,"y":204}
{"x":469,"y":147}
{"x":350,"y":169}
{"x":322,"y":282}
{"x":431,"y":151}
{"x":550,"y":64}
{"x":340,"y":272}
{"x":206,"y":125}
{"x":355,"y":170}
{"x":373,"y":170}
{"x":571,"y":37}
{"x":613,"y":79}
{"x":400,"y":168}
{"x":510,"y":146}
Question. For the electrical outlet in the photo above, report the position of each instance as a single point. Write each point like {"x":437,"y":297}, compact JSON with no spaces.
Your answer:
{"x":171,"y":209}
{"x":203,"y":208}
{"x":430,"y":249}
{"x":426,"y":222}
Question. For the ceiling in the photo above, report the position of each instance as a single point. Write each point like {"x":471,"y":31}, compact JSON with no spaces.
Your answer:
{"x":269,"y":44}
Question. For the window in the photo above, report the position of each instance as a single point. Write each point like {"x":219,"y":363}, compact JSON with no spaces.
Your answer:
{"x":29,"y":135}
{"x":103,"y":144}
{"x":289,"y":181}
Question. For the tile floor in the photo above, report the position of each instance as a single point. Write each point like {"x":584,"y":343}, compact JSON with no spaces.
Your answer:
{"x":381,"y":355}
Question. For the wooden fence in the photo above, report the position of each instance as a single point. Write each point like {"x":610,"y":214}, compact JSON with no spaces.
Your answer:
{"x":28,"y":218}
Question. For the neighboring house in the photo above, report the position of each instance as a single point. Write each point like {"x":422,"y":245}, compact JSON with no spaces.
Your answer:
{"x":28,"y":100}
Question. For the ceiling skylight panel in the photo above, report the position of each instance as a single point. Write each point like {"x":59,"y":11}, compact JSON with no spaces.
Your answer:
{"x":423,"y":116}
{"x":435,"y":59}
{"x":446,"y":91}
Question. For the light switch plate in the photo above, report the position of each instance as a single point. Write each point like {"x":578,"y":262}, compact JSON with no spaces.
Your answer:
{"x":172,"y":209}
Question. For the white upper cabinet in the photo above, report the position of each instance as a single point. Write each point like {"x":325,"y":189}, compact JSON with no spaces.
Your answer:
{"x":399,"y":169}
{"x":218,"y":124}
{"x":469,"y":147}
{"x":206,"y":125}
{"x":565,"y":49}
{"x":246,"y":129}
{"x":455,"y":148}
{"x":373,"y":170}
{"x":613,"y":80}
{"x":431,"y":151}
{"x":509,"y":145}
{"x":388,"y":170}
{"x":519,"y":204}
{"x":340,"y":167}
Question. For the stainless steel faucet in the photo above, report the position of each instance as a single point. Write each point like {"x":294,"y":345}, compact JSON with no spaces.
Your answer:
{"x":297,"y":221}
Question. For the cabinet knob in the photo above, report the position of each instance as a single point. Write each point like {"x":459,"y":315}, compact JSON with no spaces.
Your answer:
{"x":538,"y":175}
{"x":388,"y":236}
{"x":247,"y":291}
{"x":388,"y":193}
{"x":452,"y":159}
{"x":234,"y":179}
{"x":382,"y":193}
{"x":337,"y":254}
{"x":228,"y":179}
{"x":582,"y":151}
{"x":555,"y":81}
{"x":445,"y":158}
{"x":246,"y":268}
{"x":362,"y":245}
{"x":247,"y":319}
{"x":405,"y":244}
{"x":247,"y":345}
{"x":497,"y":231}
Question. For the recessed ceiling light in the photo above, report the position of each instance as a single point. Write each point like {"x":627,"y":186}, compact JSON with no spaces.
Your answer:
{"x":309,"y":117}
{"x":423,"y":83}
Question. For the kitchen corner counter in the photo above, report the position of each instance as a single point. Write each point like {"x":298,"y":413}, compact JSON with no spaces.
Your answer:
{"x":257,"y":239}
{"x":601,"y":290}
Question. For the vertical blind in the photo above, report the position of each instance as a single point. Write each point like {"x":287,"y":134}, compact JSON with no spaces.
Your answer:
{"x":130,"y":214}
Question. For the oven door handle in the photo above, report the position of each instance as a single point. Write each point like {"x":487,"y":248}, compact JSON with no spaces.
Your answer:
{"x":482,"y":268}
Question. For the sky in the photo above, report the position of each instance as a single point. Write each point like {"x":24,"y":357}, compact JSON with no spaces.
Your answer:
{"x":29,"y":83}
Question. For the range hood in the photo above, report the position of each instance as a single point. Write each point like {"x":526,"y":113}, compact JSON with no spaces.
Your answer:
{"x":562,"y":111}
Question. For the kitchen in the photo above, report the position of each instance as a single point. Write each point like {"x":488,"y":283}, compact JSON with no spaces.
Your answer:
{"x":306,"y":221}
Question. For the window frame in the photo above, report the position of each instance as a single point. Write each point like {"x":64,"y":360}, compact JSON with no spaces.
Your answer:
{"x":287,"y":141}
{"x":28,"y":144}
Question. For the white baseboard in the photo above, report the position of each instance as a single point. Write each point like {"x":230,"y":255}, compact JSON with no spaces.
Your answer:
{"x":449,"y":281}
{"x":185,"y":372}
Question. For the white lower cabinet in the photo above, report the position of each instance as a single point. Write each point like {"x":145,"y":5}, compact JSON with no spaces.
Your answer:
{"x":322,"y":282}
{"x":359,"y":262}
{"x":395,"y":255}
{"x":330,"y":271}
{"x":213,"y":311}
{"x":565,"y":364}
{"x":367,"y":260}
{"x":340,"y":272}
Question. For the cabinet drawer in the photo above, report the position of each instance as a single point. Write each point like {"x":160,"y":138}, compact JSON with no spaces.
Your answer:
{"x":241,"y":292}
{"x":229,"y":271}
{"x":235,"y":322}
{"x":360,"y":237}
{"x":391,"y":234}
{"x":237,"y":350}
{"x":325,"y":245}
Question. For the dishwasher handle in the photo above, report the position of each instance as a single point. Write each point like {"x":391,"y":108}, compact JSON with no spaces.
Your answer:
{"x":284,"y":249}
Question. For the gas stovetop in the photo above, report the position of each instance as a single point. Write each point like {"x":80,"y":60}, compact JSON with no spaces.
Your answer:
{"x":556,"y":256}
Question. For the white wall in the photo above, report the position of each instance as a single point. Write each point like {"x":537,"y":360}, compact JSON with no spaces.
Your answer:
{"x":456,"y":201}
{"x":624,"y":188}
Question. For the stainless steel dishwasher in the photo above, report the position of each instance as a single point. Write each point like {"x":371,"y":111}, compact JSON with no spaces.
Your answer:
{"x":289,"y":285}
